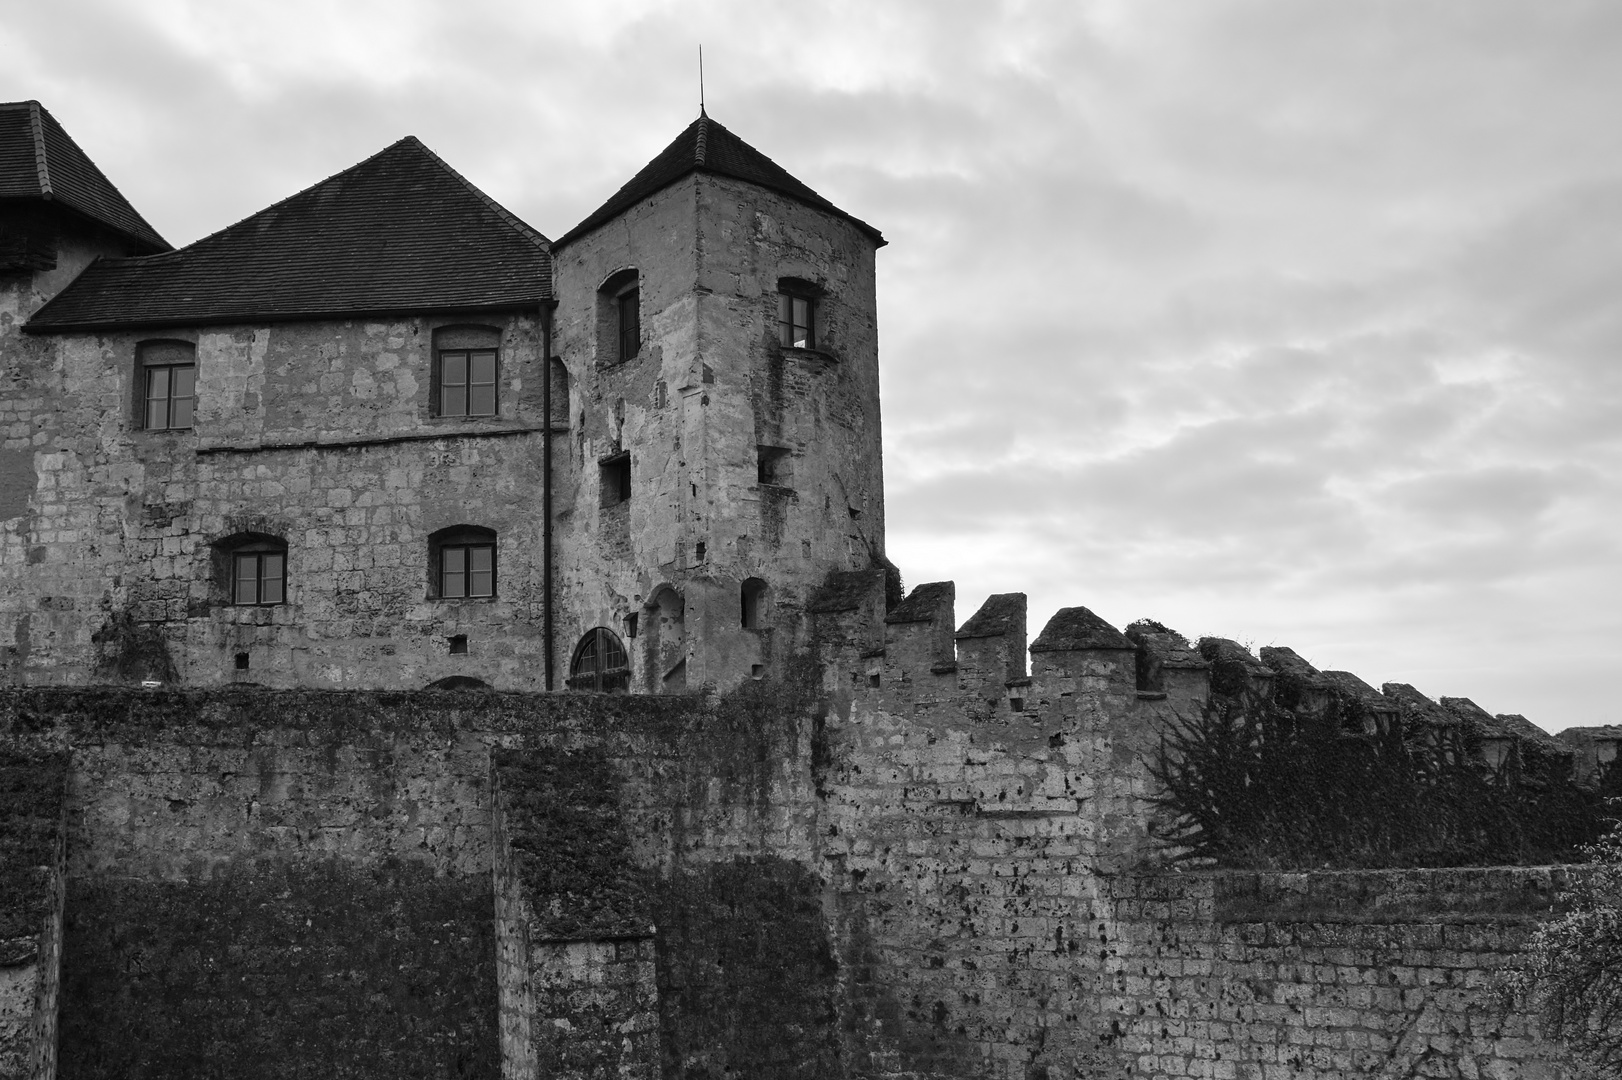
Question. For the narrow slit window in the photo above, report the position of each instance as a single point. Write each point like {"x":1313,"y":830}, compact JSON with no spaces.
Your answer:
{"x":629,"y":322}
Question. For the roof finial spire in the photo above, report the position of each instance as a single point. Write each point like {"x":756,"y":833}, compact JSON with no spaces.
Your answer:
{"x":701,"y":111}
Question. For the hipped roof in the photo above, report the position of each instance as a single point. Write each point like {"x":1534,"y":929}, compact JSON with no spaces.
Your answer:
{"x":708,"y":147}
{"x":40,"y":161}
{"x":401,"y":232}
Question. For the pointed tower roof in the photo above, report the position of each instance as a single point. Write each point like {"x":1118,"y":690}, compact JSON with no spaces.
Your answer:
{"x":401,"y":232}
{"x":40,"y":161}
{"x":708,"y":147}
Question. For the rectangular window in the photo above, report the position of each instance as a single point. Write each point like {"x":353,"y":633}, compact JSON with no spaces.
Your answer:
{"x":170,"y":391}
{"x":630,"y":327}
{"x":467,"y":570}
{"x":615,"y":478}
{"x":467,"y":382}
{"x":260,"y":578}
{"x":796,"y":318}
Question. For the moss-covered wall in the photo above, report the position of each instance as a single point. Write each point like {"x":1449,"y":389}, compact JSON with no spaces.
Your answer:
{"x":748,"y":978}
{"x":321,"y":871}
{"x":32,"y":786}
{"x":300,"y":970}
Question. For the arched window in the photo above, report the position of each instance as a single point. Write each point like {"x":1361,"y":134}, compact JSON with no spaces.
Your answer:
{"x":253,"y":567}
{"x":466,"y":370}
{"x":754,"y":604}
{"x":619,"y":317}
{"x":166,"y":384}
{"x":666,"y":642}
{"x":600,"y":663}
{"x":462,"y":563}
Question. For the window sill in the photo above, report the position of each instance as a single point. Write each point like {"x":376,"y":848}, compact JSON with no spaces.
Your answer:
{"x":809,"y":354}
{"x":610,"y":365}
{"x":494,"y":418}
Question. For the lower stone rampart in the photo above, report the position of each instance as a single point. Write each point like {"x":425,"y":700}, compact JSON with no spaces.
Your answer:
{"x":1368,"y":973}
{"x":911,"y":878}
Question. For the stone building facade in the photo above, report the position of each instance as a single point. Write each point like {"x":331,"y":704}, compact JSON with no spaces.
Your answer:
{"x":383,"y":434}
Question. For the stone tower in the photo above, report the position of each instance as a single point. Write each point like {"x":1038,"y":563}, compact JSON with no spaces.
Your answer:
{"x":716,"y":324}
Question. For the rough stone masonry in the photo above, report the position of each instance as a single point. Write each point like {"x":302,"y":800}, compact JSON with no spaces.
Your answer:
{"x":433,"y":649}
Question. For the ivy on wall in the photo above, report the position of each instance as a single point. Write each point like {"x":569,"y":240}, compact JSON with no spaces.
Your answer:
{"x":1259,"y":780}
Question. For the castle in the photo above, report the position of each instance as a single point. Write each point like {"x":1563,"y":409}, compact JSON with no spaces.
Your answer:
{"x":267,"y":498}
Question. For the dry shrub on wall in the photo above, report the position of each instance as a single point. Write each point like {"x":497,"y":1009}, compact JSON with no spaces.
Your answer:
{"x":1573,"y":975}
{"x":1256,"y":780}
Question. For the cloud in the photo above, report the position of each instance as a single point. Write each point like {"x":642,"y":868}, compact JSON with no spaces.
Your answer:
{"x":1291,"y":322}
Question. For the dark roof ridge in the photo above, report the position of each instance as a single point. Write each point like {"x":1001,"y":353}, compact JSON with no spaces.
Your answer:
{"x":41,"y":165}
{"x":374,"y":237}
{"x":278,"y":203}
{"x":518,"y":224}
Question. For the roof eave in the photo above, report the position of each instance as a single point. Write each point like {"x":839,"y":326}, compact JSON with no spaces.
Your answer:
{"x":35,"y":326}
{"x":588,"y":226}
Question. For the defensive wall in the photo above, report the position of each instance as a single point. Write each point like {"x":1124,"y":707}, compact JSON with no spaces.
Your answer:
{"x":911,"y":858}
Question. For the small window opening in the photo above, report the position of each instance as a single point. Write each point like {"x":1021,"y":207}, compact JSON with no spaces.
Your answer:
{"x":465,"y":370}
{"x":616,"y":479}
{"x":754,"y":603}
{"x":560,"y":393}
{"x":698,"y":551}
{"x":757,"y":671}
{"x":630,"y":625}
{"x":774,"y":466}
{"x":1016,"y":704}
{"x":873,"y":680}
{"x":167,"y":384}
{"x":796,"y":316}
{"x":258,"y":575}
{"x":458,"y":644}
{"x":242,"y":661}
{"x":462,"y":563}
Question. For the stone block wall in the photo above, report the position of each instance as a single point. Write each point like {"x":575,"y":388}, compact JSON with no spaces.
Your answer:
{"x":1000,"y":910}
{"x":312,"y":876}
{"x":710,"y":388}
{"x":1369,"y":973}
{"x":114,"y":558}
{"x":32,"y":845}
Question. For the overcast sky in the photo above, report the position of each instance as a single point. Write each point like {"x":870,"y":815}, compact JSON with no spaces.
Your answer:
{"x":1293,"y":322}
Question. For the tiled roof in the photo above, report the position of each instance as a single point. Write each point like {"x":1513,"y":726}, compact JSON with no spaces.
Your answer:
{"x":39,"y":160}
{"x":708,"y":147}
{"x":401,"y":232}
